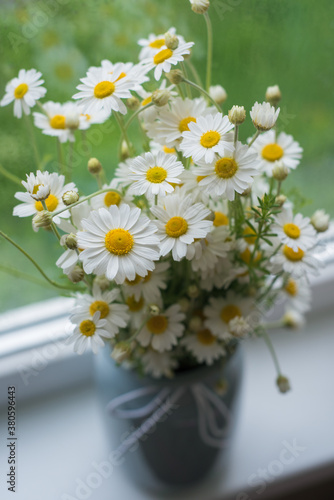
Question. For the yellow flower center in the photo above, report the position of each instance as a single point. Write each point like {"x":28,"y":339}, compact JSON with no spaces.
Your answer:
{"x":291,"y":287}
{"x":249,"y":239}
{"x":292,"y":255}
{"x":112,"y":198}
{"x":104,"y":89}
{"x":157,"y":324}
{"x":156,"y":175}
{"x":205,"y":337}
{"x":21,"y":90}
{"x":161,"y":56}
{"x":147,"y":101}
{"x":220,"y":219}
{"x":246,"y":256}
{"x":291,"y":230}
{"x":99,"y":305}
{"x":88,"y":117}
{"x":133,"y":304}
{"x":199,"y":178}
{"x":87,"y":328}
{"x":119,"y":241}
{"x":230,"y":312}
{"x":176,"y":226}
{"x":272,"y":152}
{"x":147,"y":277}
{"x":51,"y":203}
{"x":226,"y":168}
{"x":58,"y":122}
{"x":184,"y":124}
{"x":210,"y":139}
{"x":168,"y":150}
{"x":157,"y":44}
{"x":136,"y":281}
{"x":36,"y":188}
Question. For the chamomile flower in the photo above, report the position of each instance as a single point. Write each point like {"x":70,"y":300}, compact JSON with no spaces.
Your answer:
{"x":204,"y":346}
{"x":174,"y":120}
{"x":149,"y":287}
{"x":159,"y":364}
{"x":118,"y":242}
{"x":220,"y":276}
{"x":294,"y":231}
{"x":204,"y":253}
{"x":38,"y":186}
{"x":220,"y":311}
{"x":103,"y":91}
{"x":166,"y":58}
{"x":207,"y":137}
{"x":179,"y":223}
{"x":298,"y":293}
{"x":60,"y":120}
{"x":229,"y":174}
{"x":24,"y":90}
{"x":88,"y":331}
{"x":162,"y":331}
{"x":297,"y":263}
{"x":269,"y":151}
{"x":154,"y":43}
{"x":122,"y":174}
{"x":93,"y":118}
{"x":112,"y":197}
{"x":134,"y":72}
{"x":264,"y":116}
{"x":115,"y":314}
{"x":153,"y":175}
{"x":53,"y":202}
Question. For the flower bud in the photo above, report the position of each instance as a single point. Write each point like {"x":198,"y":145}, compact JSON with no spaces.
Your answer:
{"x":154,"y":310}
{"x":133,"y":103}
{"x":102,"y":282}
{"x":161,"y":97}
{"x":273,"y":95}
{"x":280,"y":199}
{"x":42,"y":219}
{"x":72,"y":121}
{"x":70,"y":197}
{"x":200,"y":6}
{"x":121,"y":351}
{"x":264,"y":116}
{"x":320,"y":221}
{"x":247,"y":191}
{"x":195,"y":324}
{"x":94,"y":166}
{"x":71,"y":241}
{"x":184,"y":304}
{"x":283,"y":384}
{"x":280,"y":171}
{"x":125,"y":152}
{"x":76,"y":275}
{"x":193,"y":291}
{"x":293,"y":319}
{"x":175,"y":76}
{"x":237,"y":115}
{"x":171,"y":41}
{"x":218,"y":94}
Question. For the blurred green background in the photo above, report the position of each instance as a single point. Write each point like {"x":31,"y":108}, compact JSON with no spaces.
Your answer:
{"x":256,"y":43}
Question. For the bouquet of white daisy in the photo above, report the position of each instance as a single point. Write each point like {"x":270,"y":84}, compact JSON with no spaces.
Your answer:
{"x":176,"y":259}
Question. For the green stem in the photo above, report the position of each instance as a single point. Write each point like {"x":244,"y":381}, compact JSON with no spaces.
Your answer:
{"x":194,"y":72}
{"x":10,"y":176}
{"x":270,"y":346}
{"x":279,"y":184}
{"x":101,"y":191}
{"x":184,"y":70}
{"x":202,"y":91}
{"x":255,"y":136}
{"x":33,"y":140}
{"x":53,"y":225}
{"x":135,"y":114}
{"x":236,"y":130}
{"x":19,"y":274}
{"x":124,"y":135}
{"x":209,"y":56}
{"x":137,"y":332}
{"x":53,"y":283}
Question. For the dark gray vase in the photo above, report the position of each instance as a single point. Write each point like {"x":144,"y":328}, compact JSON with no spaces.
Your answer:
{"x":169,"y":431}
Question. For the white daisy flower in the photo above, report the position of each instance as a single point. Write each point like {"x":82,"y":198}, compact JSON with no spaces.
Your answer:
{"x":293,"y":319}
{"x":179,"y":223}
{"x":229,"y":174}
{"x":220,"y":311}
{"x":204,"y":346}
{"x":24,"y":90}
{"x":159,"y":364}
{"x":134,"y":72}
{"x":221,"y":276}
{"x":116,"y":315}
{"x":294,"y":231}
{"x":61,"y":120}
{"x":174,"y":120}
{"x":207,"y":137}
{"x":166,"y":58}
{"x":239,"y":327}
{"x":298,"y":293}
{"x":96,"y":117}
{"x":112,"y":197}
{"x":190,"y":185}
{"x":38,"y":186}
{"x":264,"y":116}
{"x":150,"y":286}
{"x":204,"y":254}
{"x":122,"y":174}
{"x":154,"y":43}
{"x":103,"y":91}
{"x":297,"y":263}
{"x":153,"y":175}
{"x":118,"y":242}
{"x":138,"y":311}
{"x":88,"y":331}
{"x":150,"y":114}
{"x":162,"y":331}
{"x":155,"y":148}
{"x":269,"y":150}
{"x":53,"y":202}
